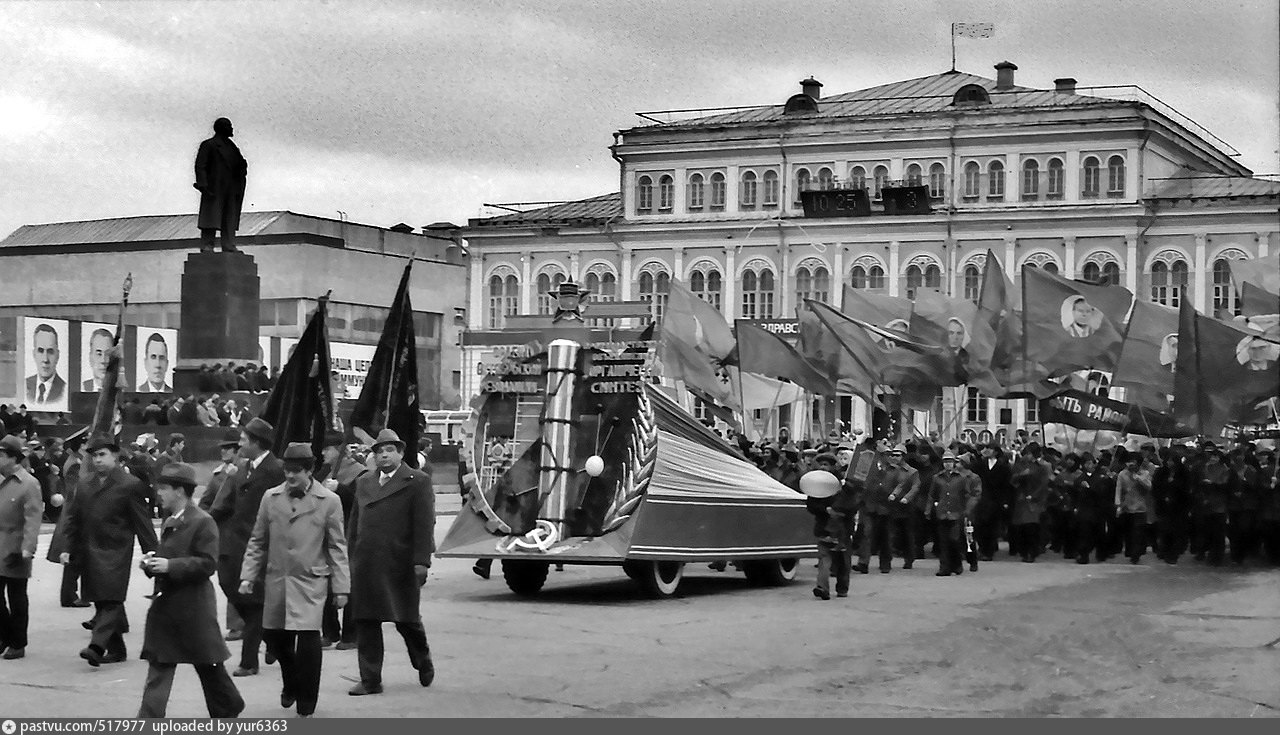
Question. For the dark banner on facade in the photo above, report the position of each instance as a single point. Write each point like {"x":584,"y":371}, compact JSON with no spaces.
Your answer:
{"x":1087,"y":411}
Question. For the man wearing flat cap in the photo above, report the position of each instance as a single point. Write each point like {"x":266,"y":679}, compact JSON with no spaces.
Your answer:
{"x":20,"y":512}
{"x":110,"y":510}
{"x":392,"y":538}
{"x":297,"y":555}
{"x":182,"y":624}
{"x":236,"y":512}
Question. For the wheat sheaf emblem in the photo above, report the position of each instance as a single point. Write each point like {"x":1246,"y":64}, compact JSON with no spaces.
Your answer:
{"x":637,"y":470}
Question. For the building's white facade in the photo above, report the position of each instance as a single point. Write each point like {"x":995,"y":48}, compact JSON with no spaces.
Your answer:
{"x":1086,"y":184}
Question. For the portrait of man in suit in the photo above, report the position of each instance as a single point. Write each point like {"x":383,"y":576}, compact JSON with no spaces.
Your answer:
{"x":1079,"y":318}
{"x":100,"y":343}
{"x":1257,"y":354}
{"x":46,"y":389}
{"x":155,"y":366}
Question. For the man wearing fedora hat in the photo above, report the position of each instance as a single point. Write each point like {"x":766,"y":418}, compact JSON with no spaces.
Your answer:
{"x":297,"y":555}
{"x":110,"y":510}
{"x":236,"y":511}
{"x":20,"y":511}
{"x":392,"y":538}
{"x":182,"y":624}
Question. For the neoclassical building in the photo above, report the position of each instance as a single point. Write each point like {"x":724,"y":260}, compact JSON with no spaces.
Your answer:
{"x":1084,"y":181}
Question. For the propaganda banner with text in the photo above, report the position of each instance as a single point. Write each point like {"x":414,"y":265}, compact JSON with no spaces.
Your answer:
{"x":1083,"y":410}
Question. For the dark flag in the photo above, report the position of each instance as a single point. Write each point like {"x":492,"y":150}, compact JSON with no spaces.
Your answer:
{"x":1256,"y":301}
{"x":300,"y":406}
{"x":1071,"y":325}
{"x":1223,"y":374}
{"x":1084,"y":410}
{"x":764,"y":353}
{"x":106,"y":415}
{"x":1148,"y":355}
{"x":389,"y":399}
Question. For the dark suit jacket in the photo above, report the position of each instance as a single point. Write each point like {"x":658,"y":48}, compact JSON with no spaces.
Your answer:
{"x":101,"y":524}
{"x":57,"y":390}
{"x":392,"y":529}
{"x":236,"y":510}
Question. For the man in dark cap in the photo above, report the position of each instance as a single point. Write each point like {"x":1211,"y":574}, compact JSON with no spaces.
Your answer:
{"x":995,"y":504}
{"x":391,"y":540}
{"x":236,"y":511}
{"x":221,"y":172}
{"x":109,"y":512}
{"x":953,"y":496}
{"x":182,"y":624}
{"x":20,"y":510}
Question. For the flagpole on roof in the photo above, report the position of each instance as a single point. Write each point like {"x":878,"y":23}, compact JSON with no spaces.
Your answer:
{"x":953,"y":47}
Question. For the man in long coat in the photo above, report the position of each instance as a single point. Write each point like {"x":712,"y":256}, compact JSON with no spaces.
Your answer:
{"x":339,"y":473}
{"x":236,"y":510}
{"x":392,"y":538}
{"x":110,"y":510}
{"x":182,"y":624}
{"x":1031,"y":479}
{"x":995,"y":506}
{"x":20,"y":511}
{"x":221,"y":172}
{"x":73,"y":474}
{"x":298,"y":556}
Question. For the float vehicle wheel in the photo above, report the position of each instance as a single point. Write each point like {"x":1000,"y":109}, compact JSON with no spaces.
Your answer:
{"x":770,"y":572}
{"x":657,"y":578}
{"x":525,"y":577}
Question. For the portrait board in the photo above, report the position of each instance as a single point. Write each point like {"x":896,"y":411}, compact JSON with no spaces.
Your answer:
{"x":45,"y":364}
{"x":156,"y":357}
{"x":96,"y":340}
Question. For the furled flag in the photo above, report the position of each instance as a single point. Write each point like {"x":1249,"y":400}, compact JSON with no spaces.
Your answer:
{"x":389,"y":398}
{"x":973,"y":30}
{"x":106,"y":415}
{"x":300,"y":406}
{"x":1224,"y":375}
{"x":1071,"y":325}
{"x":697,"y":323}
{"x":765,"y":353}
{"x":1148,"y":355}
{"x":999,"y":304}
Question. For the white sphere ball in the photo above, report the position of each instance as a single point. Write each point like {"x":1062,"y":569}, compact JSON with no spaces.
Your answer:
{"x":594,"y":465}
{"x":56,"y":500}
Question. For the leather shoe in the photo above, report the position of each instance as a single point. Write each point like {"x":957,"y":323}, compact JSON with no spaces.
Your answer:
{"x":91,"y":655}
{"x":821,"y":594}
{"x":973,"y":567}
{"x":77,"y":603}
{"x":242,"y":671}
{"x":861,"y":568}
{"x":88,"y":624}
{"x":14,"y":653}
{"x":906,"y":565}
{"x":234,"y":635}
{"x":345,"y":645}
{"x":287,"y":700}
{"x":361,"y":689}
{"x":268,"y":658}
{"x":842,"y":594}
{"x":481,"y":572}
{"x":942,"y":574}
{"x":115,"y":658}
{"x":427,"y":674}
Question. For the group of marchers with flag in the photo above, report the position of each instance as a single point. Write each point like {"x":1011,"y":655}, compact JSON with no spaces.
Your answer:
{"x":1184,"y":373}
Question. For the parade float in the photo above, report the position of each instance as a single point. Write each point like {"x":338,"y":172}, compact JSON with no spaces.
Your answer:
{"x":576,"y":454}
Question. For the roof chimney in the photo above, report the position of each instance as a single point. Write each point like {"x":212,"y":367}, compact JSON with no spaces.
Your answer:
{"x":1004,"y":74}
{"x":1065,"y":85}
{"x":811,"y":87}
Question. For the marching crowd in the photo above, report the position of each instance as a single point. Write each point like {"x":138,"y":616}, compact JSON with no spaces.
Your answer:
{"x":1217,"y":504}
{"x":308,"y":556}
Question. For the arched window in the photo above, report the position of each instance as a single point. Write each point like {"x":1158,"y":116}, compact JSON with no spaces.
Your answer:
{"x":1092,"y":272}
{"x":1225,"y":297}
{"x":870,"y":277}
{"x":1168,"y":282}
{"x":915,"y":279}
{"x":1115,"y":176}
{"x":547,"y":284}
{"x":1089,"y":179}
{"x":1111,"y":274}
{"x":1031,"y":179}
{"x":812,"y":282}
{"x":747,"y":195}
{"x":770,"y":188}
{"x":757,"y":293}
{"x":882,"y":179}
{"x":995,"y":180}
{"x":1057,"y":179}
{"x":802,"y":182}
{"x":858,"y":177}
{"x":706,"y":285}
{"x":644,"y":194}
{"x":603,"y":286}
{"x":504,"y":299}
{"x":825,"y":180}
{"x":696,"y":192}
{"x":915,"y":175}
{"x":717,"y":191}
{"x":654,"y":288}
{"x":933,"y":277}
{"x":972,"y":180}
{"x":666,"y":193}
{"x":937,"y":181}
{"x":972,"y":282}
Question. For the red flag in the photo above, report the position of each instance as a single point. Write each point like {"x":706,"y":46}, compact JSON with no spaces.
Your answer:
{"x":765,"y":353}
{"x":697,"y":322}
{"x":841,"y":348}
{"x":1223,"y":375}
{"x":389,"y":398}
{"x":1071,"y":325}
{"x":1148,"y":356}
{"x":682,"y":361}
{"x":877,"y":309}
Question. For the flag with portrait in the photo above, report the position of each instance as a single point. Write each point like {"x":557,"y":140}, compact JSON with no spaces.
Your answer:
{"x":1071,"y":325}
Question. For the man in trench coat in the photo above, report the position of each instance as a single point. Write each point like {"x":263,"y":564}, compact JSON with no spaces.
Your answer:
{"x":221,"y":172}
{"x":20,"y":512}
{"x":298,"y":555}
{"x":392,"y":538}
{"x":110,"y":510}
{"x":182,"y":624}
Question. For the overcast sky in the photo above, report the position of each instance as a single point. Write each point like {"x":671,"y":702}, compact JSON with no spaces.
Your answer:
{"x":422,"y":111}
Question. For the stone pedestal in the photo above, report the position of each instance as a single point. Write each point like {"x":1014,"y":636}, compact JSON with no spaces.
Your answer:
{"x":220,"y":293}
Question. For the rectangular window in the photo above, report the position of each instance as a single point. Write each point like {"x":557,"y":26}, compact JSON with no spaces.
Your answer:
{"x":976,"y":407}
{"x":748,"y":305}
{"x":1033,"y":411}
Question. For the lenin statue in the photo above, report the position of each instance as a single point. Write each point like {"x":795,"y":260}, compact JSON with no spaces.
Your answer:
{"x":220,"y":177}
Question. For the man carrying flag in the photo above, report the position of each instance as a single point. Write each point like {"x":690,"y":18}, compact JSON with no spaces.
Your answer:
{"x":389,"y":398}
